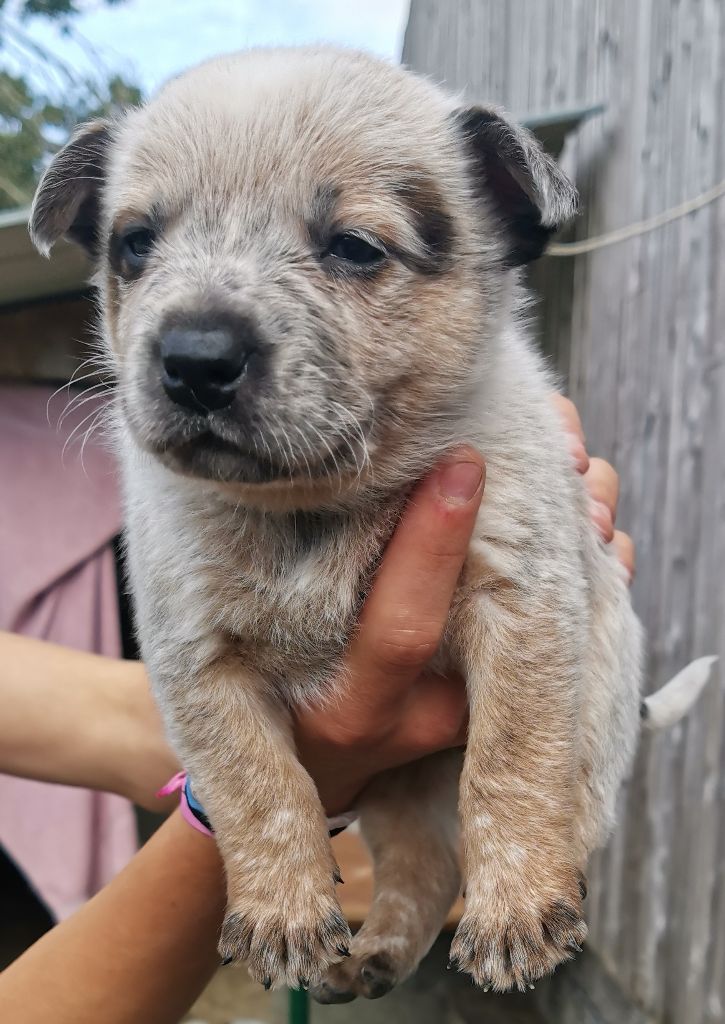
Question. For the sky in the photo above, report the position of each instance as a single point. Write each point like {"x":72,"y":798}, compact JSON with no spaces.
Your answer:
{"x":149,"y":40}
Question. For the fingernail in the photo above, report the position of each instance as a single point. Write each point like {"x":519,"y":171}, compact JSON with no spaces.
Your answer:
{"x":458,"y":482}
{"x":578,"y":452}
{"x":602,"y":519}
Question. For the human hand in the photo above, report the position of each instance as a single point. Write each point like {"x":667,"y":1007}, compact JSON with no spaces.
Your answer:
{"x":395,"y":711}
{"x":602,"y":482}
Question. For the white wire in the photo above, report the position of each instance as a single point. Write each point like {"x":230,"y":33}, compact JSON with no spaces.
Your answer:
{"x":639,"y":228}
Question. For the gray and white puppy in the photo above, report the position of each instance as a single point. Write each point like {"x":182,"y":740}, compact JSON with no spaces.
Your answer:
{"x":308,"y":268}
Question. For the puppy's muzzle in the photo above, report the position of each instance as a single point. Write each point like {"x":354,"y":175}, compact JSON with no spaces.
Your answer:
{"x":204,"y":364}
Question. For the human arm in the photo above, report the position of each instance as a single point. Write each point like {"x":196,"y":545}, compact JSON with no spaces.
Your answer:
{"x":139,"y":952}
{"x":80,"y":719}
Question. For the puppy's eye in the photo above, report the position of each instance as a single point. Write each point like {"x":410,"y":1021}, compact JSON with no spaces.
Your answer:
{"x":355,"y":249}
{"x":136,"y":246}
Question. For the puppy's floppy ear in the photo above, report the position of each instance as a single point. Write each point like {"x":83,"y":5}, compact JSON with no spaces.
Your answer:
{"x":67,"y":200}
{"x":524,"y":186}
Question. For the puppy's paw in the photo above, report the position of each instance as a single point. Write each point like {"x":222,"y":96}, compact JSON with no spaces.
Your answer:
{"x":368,"y":974}
{"x":291,"y":941}
{"x":511,"y":937}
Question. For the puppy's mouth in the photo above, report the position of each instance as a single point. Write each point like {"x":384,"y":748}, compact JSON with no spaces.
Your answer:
{"x":213,"y":457}
{"x":209,"y":456}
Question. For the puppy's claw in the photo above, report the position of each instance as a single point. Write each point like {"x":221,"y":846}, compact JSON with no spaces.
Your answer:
{"x":573,"y":944}
{"x":267,"y":983}
{"x":343,"y":951}
{"x":227,"y":960}
{"x":304,"y":983}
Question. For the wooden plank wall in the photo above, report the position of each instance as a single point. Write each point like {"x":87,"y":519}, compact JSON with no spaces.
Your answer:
{"x":45,"y":341}
{"x":639,"y":331}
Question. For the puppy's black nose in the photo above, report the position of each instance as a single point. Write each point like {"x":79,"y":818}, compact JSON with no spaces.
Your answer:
{"x":203,"y":365}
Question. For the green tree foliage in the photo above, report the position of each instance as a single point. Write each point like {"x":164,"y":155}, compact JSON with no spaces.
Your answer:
{"x":41,"y":97}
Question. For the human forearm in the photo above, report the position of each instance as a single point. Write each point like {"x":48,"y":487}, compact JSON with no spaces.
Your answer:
{"x":79,"y":719}
{"x":139,"y":952}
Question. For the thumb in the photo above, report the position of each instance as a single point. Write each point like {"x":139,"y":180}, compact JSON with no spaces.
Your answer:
{"x":406,"y":611}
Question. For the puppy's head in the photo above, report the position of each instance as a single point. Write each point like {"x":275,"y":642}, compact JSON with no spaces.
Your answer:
{"x":301,"y":255}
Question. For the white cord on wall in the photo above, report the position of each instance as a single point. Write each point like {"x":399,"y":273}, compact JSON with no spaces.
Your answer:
{"x":640,"y":228}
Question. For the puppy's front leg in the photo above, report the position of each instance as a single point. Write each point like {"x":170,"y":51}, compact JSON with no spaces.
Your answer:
{"x":235,"y":740}
{"x":523,"y":882}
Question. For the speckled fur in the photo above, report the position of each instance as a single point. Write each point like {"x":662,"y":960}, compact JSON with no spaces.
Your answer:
{"x":247,"y":592}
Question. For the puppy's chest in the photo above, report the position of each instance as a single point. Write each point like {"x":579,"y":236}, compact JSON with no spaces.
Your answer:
{"x":301,"y":609}
{"x":290,"y":608}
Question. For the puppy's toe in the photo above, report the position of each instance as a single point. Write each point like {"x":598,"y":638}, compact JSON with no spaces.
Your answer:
{"x":371,"y":975}
{"x":339,"y":985}
{"x":377,"y":975}
{"x":521,"y":942}
{"x":282,"y":951}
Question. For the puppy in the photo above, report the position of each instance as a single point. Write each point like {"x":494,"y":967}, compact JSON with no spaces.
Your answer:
{"x":308,"y":264}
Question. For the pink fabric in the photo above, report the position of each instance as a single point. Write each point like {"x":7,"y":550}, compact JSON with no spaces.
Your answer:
{"x":57,"y":582}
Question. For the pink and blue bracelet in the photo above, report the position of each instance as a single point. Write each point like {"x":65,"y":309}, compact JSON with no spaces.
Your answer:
{"x":193,"y":813}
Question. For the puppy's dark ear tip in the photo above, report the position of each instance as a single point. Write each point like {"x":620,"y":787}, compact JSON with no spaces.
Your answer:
{"x":524,"y":187}
{"x":42,"y":245}
{"x":42,"y":241}
{"x":562,"y":201}
{"x":67,"y":198}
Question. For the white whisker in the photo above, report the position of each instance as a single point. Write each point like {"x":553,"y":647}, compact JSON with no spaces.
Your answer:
{"x":307,"y":464}
{"x":75,"y":430}
{"x":332,"y":456}
{"x":94,"y":393}
{"x":94,"y":423}
{"x":74,"y":379}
